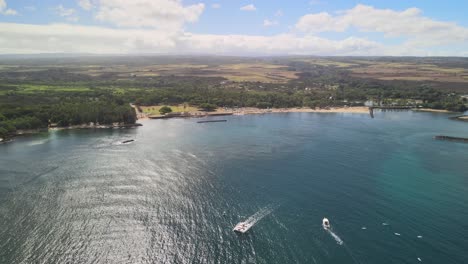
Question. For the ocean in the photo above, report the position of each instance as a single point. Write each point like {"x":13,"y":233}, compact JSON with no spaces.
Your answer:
{"x":392,"y":193}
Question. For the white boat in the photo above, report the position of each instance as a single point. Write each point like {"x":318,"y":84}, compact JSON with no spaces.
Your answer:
{"x":326,"y":223}
{"x":242,"y":227}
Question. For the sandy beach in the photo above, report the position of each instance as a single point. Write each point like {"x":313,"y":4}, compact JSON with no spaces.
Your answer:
{"x":432,"y":110}
{"x":253,"y":110}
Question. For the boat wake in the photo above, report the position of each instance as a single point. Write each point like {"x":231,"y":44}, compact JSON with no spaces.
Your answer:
{"x":252,"y":220}
{"x":244,"y":226}
{"x":335,"y":236}
{"x":326,"y":225}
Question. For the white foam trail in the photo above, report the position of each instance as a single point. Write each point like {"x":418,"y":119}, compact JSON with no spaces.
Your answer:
{"x":335,"y":236}
{"x":252,"y":220}
{"x":38,"y":142}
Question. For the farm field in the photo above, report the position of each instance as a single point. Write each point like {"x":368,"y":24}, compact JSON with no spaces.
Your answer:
{"x":411,"y":72}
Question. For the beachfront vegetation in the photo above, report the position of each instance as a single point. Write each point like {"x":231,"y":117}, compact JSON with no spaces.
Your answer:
{"x":35,"y":93}
{"x":165,"y":110}
{"x":207,"y":107}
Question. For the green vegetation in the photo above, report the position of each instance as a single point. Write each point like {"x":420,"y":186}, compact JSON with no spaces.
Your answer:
{"x":39,"y":92}
{"x":165,"y":110}
{"x":207,"y":107}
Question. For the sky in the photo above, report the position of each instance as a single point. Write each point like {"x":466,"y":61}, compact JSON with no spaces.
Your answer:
{"x":236,"y":27}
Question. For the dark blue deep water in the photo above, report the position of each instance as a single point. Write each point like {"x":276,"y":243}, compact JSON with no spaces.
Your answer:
{"x":174,"y":195}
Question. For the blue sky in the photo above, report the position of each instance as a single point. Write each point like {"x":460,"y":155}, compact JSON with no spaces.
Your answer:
{"x":315,"y":27}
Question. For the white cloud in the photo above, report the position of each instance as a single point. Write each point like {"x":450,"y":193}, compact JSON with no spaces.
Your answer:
{"x":26,"y":38}
{"x":64,"y":12}
{"x":85,"y":4}
{"x":216,"y":6}
{"x":250,"y":7}
{"x":155,"y":33}
{"x":23,"y":38}
{"x":279,"y":13}
{"x":269,"y":23}
{"x":148,"y":13}
{"x":68,"y":13}
{"x":320,"y":22}
{"x":6,"y":11}
{"x":408,"y":23}
{"x":10,"y":12}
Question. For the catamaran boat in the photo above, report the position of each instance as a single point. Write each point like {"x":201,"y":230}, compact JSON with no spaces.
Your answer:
{"x":326,"y":223}
{"x":242,"y":227}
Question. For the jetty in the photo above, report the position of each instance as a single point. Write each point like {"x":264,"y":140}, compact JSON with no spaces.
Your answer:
{"x":393,"y":108}
{"x":460,"y":118}
{"x":189,"y":115}
{"x":449,"y":138}
{"x":211,"y":121}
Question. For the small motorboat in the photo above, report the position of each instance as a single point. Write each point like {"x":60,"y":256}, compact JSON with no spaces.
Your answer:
{"x":242,"y":227}
{"x":326,"y":223}
{"x":127,"y":141}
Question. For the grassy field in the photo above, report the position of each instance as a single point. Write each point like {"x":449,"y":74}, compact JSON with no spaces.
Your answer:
{"x":33,"y":88}
{"x":154,"y":110}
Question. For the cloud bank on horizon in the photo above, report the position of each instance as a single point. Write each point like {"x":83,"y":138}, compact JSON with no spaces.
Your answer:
{"x":161,"y":27}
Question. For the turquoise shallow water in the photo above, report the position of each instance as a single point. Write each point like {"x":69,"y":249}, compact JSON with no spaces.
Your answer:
{"x":174,"y":195}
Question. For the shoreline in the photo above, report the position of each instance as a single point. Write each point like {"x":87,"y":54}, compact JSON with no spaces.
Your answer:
{"x":433,"y":110}
{"x":256,"y":111}
{"x":354,"y":109}
{"x":221,"y":112}
{"x":28,"y":132}
{"x":462,"y":118}
{"x":86,"y":126}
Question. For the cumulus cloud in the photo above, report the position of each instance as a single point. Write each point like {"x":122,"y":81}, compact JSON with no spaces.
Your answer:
{"x":409,"y":23}
{"x":148,"y":13}
{"x":85,"y":4}
{"x":153,"y":32}
{"x":269,"y":23}
{"x":6,"y":11}
{"x":216,"y":6}
{"x":250,"y":7}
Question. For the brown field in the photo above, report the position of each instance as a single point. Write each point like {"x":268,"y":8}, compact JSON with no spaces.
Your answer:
{"x":411,"y":72}
{"x":325,"y":62}
{"x":240,"y":72}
